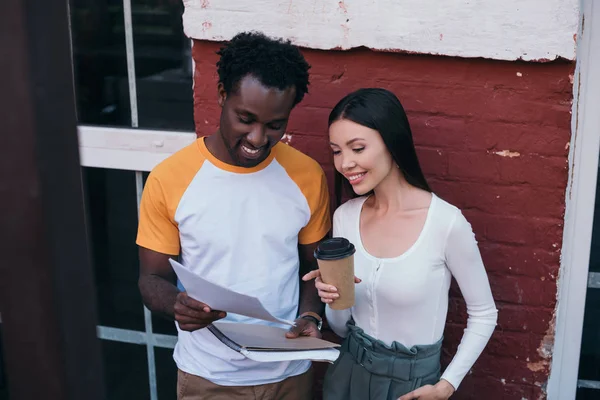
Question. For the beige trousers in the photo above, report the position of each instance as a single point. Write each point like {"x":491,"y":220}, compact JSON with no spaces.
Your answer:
{"x":192,"y":387}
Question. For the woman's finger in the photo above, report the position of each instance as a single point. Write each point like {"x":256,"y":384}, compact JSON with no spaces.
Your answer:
{"x":357,"y":279}
{"x":312,"y":275}
{"x":325,"y":287}
{"x":328,"y":295}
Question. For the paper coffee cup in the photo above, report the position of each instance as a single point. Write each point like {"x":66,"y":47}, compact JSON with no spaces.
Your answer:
{"x":336,"y":263}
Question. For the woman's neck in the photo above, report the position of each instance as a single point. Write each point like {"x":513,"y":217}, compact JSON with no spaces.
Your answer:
{"x":395,"y":194}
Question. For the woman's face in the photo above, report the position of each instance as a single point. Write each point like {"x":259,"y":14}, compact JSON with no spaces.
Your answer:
{"x":360,"y":155}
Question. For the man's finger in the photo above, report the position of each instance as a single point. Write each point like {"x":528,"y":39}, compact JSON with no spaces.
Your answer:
{"x":192,"y":320}
{"x":191,"y":327}
{"x":294,"y":331}
{"x":187,"y":301}
{"x":199,"y":315}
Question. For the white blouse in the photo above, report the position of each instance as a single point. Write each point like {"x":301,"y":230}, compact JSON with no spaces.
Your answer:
{"x":405,"y":299}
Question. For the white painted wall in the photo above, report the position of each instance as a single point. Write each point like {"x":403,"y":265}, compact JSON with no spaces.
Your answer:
{"x":497,"y":29}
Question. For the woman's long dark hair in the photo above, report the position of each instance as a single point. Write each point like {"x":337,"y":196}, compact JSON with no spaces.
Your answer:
{"x":380,"y":109}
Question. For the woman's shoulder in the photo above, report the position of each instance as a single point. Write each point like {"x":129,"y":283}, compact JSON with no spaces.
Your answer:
{"x":444,"y":206}
{"x":446,"y":214}
{"x":350,"y":206}
{"x":450,"y":216}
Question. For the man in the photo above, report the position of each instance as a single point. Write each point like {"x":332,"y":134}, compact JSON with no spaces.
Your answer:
{"x":246,"y":212}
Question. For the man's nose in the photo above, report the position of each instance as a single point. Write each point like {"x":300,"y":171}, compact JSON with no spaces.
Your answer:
{"x":257,"y":136}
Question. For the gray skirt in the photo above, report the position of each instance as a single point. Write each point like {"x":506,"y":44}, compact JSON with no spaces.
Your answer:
{"x":368,"y":369}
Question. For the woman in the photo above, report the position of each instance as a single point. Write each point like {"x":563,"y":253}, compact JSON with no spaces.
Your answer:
{"x":409,"y":244}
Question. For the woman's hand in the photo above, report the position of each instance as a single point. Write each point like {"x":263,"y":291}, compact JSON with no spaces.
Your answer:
{"x":327,"y":293}
{"x":441,"y":391}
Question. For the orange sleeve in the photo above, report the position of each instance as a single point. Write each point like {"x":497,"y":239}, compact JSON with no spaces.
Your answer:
{"x":157,"y":229}
{"x":317,"y":195}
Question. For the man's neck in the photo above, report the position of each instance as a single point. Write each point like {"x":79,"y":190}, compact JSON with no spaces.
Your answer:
{"x":216,"y":146}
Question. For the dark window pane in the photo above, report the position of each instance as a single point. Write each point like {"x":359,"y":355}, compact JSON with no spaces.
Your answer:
{"x":588,"y":394}
{"x":166,"y":374}
{"x":595,"y":249}
{"x":112,"y":225}
{"x":589,"y":363}
{"x":100,"y":62}
{"x":163,"y":65}
{"x":125,"y":371}
{"x":163,"y":325}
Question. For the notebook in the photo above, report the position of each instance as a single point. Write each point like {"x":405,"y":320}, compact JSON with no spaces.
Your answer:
{"x":265,"y":343}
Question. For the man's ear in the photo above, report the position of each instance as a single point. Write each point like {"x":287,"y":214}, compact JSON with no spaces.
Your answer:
{"x":222,"y":94}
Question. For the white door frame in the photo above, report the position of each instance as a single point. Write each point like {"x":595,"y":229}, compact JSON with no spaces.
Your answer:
{"x":580,"y":200}
{"x":129,"y":149}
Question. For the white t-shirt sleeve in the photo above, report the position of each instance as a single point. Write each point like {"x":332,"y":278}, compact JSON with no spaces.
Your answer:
{"x":337,"y":319}
{"x":464,"y":261}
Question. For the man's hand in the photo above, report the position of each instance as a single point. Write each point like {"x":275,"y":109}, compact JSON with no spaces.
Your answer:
{"x":192,"y":315}
{"x":441,"y":391}
{"x":303,"y":327}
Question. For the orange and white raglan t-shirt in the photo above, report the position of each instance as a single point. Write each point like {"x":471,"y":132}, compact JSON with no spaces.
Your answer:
{"x":239,"y":228}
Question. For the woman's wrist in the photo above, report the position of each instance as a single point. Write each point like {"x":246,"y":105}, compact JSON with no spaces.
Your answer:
{"x":445,"y":387}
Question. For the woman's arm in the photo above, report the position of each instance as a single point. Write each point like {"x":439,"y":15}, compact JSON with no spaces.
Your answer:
{"x":464,"y":261}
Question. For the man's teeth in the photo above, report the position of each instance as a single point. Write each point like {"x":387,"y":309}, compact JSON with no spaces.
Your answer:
{"x":355,"y":177}
{"x":248,"y":150}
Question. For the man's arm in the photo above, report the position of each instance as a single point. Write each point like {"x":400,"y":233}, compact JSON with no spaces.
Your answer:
{"x":161,"y":295}
{"x":309,"y":297}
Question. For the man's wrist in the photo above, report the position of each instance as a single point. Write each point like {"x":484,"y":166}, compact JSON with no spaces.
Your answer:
{"x":314,"y":317}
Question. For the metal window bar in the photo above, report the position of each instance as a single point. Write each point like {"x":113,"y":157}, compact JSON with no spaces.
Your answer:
{"x":582,"y":383}
{"x":594,"y":280}
{"x":130,"y":51}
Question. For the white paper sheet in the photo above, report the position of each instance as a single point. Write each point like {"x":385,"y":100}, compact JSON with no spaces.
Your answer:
{"x":325,"y":355}
{"x":221,"y":298}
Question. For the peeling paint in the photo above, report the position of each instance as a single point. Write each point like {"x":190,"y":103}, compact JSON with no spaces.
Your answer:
{"x":287,"y":138}
{"x":537,"y":366}
{"x":206,"y":25}
{"x":508,"y":153}
{"x":338,"y":78}
{"x":544,"y":350}
{"x":519,"y":74}
{"x":204,"y":4}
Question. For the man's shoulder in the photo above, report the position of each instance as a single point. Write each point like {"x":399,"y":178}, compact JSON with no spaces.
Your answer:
{"x":181,"y":164}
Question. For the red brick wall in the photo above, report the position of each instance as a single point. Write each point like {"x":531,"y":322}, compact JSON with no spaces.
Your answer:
{"x":493,"y":140}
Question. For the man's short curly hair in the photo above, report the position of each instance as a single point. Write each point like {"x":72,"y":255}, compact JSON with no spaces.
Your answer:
{"x":275,"y":63}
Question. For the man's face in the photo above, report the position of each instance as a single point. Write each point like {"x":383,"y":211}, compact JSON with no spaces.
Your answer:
{"x":253,"y":120}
